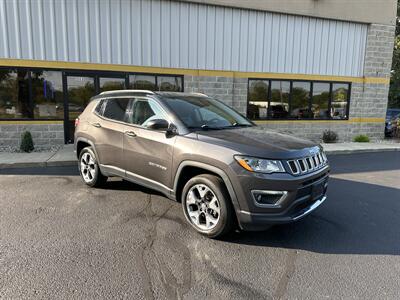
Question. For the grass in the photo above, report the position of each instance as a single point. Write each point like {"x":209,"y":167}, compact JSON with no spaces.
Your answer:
{"x":361,"y":138}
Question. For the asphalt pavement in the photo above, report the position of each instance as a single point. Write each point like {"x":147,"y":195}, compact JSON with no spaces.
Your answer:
{"x":62,"y":240}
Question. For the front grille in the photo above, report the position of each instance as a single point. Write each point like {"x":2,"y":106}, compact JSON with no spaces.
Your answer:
{"x":308,"y":164}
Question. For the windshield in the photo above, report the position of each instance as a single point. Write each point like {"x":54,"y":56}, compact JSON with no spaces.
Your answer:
{"x":205,"y":113}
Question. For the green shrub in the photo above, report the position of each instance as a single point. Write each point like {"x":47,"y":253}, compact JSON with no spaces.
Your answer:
{"x":329,"y":136}
{"x":361,"y":138}
{"x":26,"y":142}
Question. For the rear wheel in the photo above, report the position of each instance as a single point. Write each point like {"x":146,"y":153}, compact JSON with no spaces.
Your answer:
{"x":89,"y":168}
{"x":207,"y":206}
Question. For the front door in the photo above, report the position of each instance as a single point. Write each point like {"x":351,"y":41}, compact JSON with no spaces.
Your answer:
{"x":148,"y":153}
{"x":79,"y":90}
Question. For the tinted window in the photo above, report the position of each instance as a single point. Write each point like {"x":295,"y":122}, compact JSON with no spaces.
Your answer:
{"x":99,"y":107}
{"x":339,"y":100}
{"x":14,"y":94}
{"x":258,"y":99}
{"x":320,"y":100}
{"x":142,"y":82}
{"x":115,"y":109}
{"x":169,"y":83}
{"x":47,"y":94}
{"x":111,"y":84}
{"x":300,"y":100}
{"x":144,"y":111}
{"x":291,"y":99}
{"x":279,"y":105}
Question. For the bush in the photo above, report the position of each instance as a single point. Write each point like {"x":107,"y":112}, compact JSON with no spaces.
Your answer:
{"x":329,"y":136}
{"x":361,"y":138}
{"x":26,"y":142}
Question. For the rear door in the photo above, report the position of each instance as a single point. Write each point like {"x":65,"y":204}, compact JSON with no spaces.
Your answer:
{"x":148,"y":153}
{"x":107,"y":128}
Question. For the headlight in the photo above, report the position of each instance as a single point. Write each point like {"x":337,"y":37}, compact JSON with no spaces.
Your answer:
{"x":254,"y":164}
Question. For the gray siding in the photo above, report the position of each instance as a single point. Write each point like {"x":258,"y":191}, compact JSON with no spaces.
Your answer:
{"x":179,"y":35}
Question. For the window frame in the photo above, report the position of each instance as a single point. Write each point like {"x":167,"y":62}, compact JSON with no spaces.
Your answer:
{"x":141,"y":98}
{"x":331,"y":83}
{"x":82,"y":73}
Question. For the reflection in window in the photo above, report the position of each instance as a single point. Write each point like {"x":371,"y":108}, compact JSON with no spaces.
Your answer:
{"x":300,"y":100}
{"x":14,"y":94}
{"x":339,"y":100}
{"x":142,"y":82}
{"x":279,"y":105}
{"x":115,"y":109}
{"x":169,"y":83}
{"x":144,"y":111}
{"x":47,"y":94}
{"x":111,"y":84}
{"x":258,"y":99}
{"x":320,"y":100}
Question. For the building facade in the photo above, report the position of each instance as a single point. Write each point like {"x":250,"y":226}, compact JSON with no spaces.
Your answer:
{"x":300,"y":66}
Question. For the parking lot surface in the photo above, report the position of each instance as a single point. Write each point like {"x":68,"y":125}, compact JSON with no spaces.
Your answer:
{"x":61,"y":239}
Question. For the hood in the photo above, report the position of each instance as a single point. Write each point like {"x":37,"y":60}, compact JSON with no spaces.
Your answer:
{"x":258,"y":142}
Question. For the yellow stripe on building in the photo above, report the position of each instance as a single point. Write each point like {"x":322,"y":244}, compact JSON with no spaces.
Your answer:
{"x":176,"y":71}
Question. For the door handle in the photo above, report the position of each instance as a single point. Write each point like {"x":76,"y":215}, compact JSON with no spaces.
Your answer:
{"x":96,"y":125}
{"x":130,"y":133}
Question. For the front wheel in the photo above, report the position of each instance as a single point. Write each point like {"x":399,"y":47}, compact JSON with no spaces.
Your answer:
{"x":89,"y":168}
{"x":207,"y":206}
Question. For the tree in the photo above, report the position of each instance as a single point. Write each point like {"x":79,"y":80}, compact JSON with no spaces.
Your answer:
{"x":394,"y":90}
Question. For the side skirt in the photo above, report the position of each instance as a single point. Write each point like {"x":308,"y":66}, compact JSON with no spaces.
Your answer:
{"x":110,"y":171}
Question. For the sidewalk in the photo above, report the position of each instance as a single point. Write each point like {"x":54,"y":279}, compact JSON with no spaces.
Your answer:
{"x":63,"y":157}
{"x":66,"y":156}
{"x":349,"y":148}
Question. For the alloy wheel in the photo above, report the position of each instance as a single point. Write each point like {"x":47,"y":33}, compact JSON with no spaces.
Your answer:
{"x":203,"y":207}
{"x":88,"y":167}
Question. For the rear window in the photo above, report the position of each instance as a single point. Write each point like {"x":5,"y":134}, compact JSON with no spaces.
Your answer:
{"x":99,"y":107}
{"x":115,"y":109}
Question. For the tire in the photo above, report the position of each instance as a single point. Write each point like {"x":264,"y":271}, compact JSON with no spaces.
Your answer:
{"x":207,"y":206}
{"x":89,"y":168}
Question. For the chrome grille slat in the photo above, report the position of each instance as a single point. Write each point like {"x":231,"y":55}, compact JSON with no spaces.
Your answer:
{"x":307,"y":164}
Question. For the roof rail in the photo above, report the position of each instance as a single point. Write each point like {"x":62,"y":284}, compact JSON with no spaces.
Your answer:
{"x":199,"y":94}
{"x":121,"y":91}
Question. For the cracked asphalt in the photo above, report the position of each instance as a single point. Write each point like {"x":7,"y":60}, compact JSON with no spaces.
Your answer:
{"x":60,"y":239}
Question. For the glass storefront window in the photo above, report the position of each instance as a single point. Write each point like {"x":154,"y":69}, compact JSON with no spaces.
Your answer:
{"x":320,"y":100}
{"x":279,"y":104}
{"x":47,"y":95}
{"x":111,"y":84}
{"x":339,"y":100}
{"x":300,"y":100}
{"x":258,"y":99}
{"x":142,"y":82}
{"x":14,"y":94}
{"x":169,"y":83}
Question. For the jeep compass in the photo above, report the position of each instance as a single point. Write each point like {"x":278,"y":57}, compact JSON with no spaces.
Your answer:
{"x":225,"y":170}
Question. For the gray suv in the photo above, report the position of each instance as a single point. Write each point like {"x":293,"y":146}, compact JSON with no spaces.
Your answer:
{"x":226,"y":171}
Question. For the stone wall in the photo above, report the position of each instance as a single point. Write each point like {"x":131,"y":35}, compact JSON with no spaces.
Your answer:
{"x":44,"y":135}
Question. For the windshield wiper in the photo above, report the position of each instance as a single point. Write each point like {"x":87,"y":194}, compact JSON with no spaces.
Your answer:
{"x":239,"y":125}
{"x":204,"y":127}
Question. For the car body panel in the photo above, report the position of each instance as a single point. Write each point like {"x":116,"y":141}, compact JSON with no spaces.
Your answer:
{"x":157,"y":159}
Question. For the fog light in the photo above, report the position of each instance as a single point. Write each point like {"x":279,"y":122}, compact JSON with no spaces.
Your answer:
{"x":268,"y":198}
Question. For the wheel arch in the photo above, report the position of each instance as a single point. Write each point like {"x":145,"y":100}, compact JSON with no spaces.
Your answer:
{"x":83,"y":143}
{"x":201,"y":168}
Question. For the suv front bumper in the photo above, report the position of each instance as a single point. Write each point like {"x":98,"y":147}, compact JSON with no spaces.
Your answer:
{"x":300,"y":201}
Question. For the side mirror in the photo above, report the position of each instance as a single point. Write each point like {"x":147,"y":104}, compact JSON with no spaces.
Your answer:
{"x":158,"y":124}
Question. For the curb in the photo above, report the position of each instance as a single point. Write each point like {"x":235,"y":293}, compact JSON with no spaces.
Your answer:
{"x":39,"y":164}
{"x":335,"y":152}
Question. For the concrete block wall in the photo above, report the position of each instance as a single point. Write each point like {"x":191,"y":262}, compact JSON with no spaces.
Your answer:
{"x":44,"y":135}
